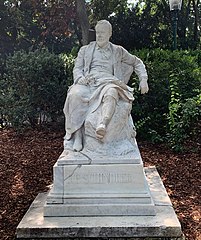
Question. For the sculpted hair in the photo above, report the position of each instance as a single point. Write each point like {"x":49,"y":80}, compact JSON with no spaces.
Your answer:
{"x":106,"y":23}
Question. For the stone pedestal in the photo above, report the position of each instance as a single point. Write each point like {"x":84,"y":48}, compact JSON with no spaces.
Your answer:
{"x":89,"y":185}
{"x":164,"y":225}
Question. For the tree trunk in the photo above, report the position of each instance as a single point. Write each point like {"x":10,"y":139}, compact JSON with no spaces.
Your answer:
{"x":196,"y":22}
{"x":83,"y":19}
{"x":184,"y":23}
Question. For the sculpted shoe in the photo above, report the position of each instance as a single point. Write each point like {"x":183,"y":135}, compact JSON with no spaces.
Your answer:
{"x":100,"y":131}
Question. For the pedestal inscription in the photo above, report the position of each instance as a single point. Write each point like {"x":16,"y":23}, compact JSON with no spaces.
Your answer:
{"x":111,"y":178}
{"x":99,"y":189}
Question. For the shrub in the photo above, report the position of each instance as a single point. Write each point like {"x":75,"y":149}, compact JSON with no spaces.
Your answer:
{"x":175,"y":81}
{"x":182,"y":117}
{"x":152,"y":107}
{"x":34,"y":84}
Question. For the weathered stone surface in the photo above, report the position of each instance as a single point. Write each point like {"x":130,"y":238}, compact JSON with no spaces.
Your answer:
{"x":100,"y":187}
{"x":163,"y":226}
{"x":98,"y":104}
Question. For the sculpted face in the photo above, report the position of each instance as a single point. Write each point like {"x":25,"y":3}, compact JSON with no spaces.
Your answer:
{"x":103,"y":35}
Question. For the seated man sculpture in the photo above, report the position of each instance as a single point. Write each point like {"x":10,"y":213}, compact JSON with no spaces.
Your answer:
{"x":101,"y":73}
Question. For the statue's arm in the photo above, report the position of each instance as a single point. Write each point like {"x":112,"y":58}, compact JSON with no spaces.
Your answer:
{"x":139,"y":69}
{"x":78,"y":70}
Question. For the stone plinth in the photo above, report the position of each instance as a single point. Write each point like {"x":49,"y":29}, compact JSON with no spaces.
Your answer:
{"x":163,"y":226}
{"x":88,"y":185}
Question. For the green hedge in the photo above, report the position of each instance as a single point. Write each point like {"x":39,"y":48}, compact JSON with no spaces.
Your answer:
{"x":172,"y":106}
{"x":36,"y":82}
{"x":34,"y":85}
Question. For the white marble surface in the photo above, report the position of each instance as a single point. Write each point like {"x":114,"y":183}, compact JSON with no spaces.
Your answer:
{"x":88,"y":156}
{"x":112,"y":189}
{"x":99,"y":209}
{"x":163,"y":224}
{"x":92,"y":190}
{"x":114,"y":178}
{"x":98,"y":104}
{"x":89,"y":185}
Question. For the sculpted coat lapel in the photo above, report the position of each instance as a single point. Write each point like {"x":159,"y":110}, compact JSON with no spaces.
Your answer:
{"x":85,"y":56}
{"x":124,"y":63}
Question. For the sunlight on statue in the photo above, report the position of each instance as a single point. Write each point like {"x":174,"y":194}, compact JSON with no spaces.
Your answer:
{"x":98,"y":104}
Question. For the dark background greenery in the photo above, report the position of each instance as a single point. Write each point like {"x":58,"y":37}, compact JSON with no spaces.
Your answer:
{"x":54,"y":24}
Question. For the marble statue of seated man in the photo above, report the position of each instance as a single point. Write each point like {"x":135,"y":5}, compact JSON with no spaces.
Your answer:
{"x":99,"y":102}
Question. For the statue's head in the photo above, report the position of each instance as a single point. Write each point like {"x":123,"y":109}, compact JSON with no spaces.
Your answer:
{"x":103,"y":32}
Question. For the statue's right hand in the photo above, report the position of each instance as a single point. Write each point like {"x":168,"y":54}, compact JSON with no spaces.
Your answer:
{"x":83,"y":81}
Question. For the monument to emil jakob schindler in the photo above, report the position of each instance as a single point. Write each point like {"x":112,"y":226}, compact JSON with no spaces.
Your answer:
{"x":99,"y":184}
{"x":100,"y":172}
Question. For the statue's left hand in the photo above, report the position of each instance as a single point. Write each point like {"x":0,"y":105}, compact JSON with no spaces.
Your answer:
{"x":143,"y":87}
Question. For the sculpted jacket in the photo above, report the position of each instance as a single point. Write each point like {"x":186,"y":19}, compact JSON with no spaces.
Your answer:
{"x":123,"y":63}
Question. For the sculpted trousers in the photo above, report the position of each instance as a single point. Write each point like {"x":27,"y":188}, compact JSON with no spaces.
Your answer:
{"x":78,"y":104}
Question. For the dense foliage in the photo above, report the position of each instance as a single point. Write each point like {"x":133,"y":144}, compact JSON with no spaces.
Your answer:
{"x":147,"y":24}
{"x":55,"y":24}
{"x":172,"y":107}
{"x":34,"y":87}
{"x":34,"y":24}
